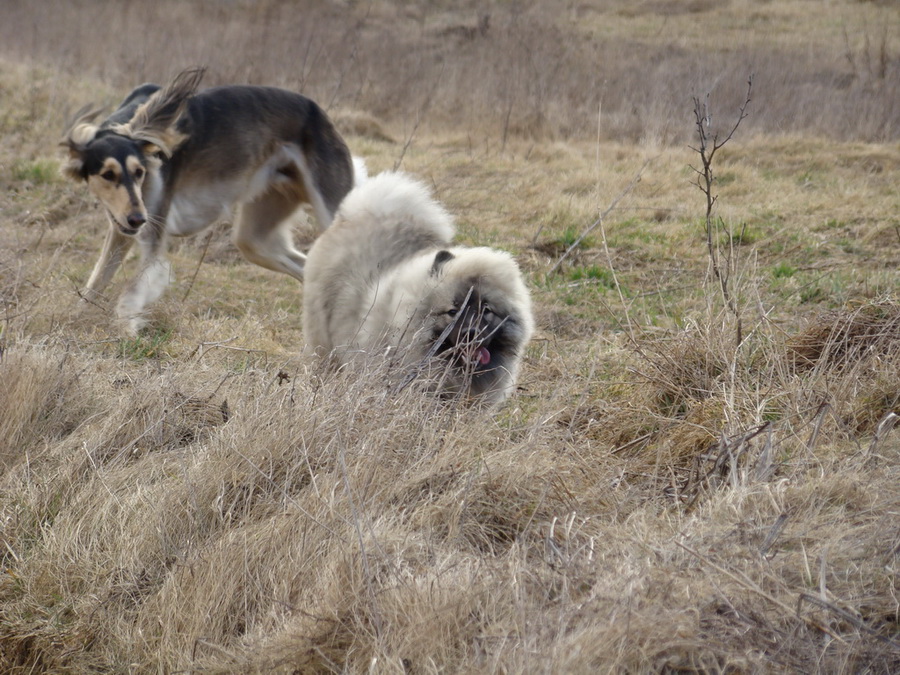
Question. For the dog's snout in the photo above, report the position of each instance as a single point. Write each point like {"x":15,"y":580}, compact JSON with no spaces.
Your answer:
{"x":476,"y":331}
{"x":135,"y":220}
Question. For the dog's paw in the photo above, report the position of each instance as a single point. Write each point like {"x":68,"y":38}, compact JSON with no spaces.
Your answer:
{"x":132,"y":325}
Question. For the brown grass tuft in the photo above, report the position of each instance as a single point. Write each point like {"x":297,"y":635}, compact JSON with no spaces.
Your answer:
{"x":846,"y":336}
{"x":654,"y":497}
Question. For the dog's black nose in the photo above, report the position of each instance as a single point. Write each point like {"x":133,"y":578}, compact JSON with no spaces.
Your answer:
{"x":136,"y":220}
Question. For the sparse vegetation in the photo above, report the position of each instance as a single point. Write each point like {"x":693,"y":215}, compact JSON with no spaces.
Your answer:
{"x":37,"y":171}
{"x":783,"y":271}
{"x":655,"y":498}
{"x":144,"y":346}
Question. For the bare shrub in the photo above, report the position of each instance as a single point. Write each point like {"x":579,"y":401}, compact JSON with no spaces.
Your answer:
{"x":723,"y":266}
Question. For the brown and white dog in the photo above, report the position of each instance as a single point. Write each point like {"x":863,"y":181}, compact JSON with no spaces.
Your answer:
{"x":172,"y":161}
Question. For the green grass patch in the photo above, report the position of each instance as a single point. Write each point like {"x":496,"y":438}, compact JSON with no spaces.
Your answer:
{"x":783,"y":271}
{"x":743,"y":235}
{"x":565,"y":222}
{"x":594,"y":273}
{"x":144,"y":347}
{"x":832,"y":290}
{"x":638,"y":229}
{"x":570,"y":236}
{"x":38,"y":171}
{"x":850,"y":247}
{"x":726,"y":178}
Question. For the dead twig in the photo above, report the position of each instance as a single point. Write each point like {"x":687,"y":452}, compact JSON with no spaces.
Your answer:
{"x":725,"y":461}
{"x":883,"y":429}
{"x":774,"y":531}
{"x":201,"y":349}
{"x":820,"y":418}
{"x":423,"y":109}
{"x":707,"y":149}
{"x":199,"y":263}
{"x":86,"y":299}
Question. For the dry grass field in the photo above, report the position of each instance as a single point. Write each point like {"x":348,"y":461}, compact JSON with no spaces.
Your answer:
{"x":658,"y":496}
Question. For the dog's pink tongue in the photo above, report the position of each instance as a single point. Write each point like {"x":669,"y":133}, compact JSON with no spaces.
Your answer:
{"x":483,"y":356}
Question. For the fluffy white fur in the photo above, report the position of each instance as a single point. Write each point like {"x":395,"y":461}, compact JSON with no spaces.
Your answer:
{"x":384,"y":278}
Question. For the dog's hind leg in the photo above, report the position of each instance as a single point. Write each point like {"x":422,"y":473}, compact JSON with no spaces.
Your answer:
{"x":151,"y":280}
{"x":312,"y":194}
{"x":263,"y":234}
{"x":115,"y":247}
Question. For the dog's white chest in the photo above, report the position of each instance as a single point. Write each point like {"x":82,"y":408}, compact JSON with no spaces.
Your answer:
{"x":194,"y":210}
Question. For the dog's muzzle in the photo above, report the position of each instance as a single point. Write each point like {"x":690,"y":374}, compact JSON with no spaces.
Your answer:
{"x":133,"y":223}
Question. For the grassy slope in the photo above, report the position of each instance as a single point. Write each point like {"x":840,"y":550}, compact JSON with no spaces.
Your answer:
{"x":205,"y":497}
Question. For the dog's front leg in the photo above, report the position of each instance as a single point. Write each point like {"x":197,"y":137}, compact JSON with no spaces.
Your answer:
{"x":150,"y":281}
{"x":115,"y":247}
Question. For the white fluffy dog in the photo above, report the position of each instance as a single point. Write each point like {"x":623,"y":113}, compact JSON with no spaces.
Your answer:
{"x":384,"y":278}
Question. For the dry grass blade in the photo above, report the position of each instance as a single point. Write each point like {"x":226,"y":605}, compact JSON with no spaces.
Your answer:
{"x":841,"y":337}
{"x":846,"y":616}
{"x":750,"y":585}
{"x":207,"y":497}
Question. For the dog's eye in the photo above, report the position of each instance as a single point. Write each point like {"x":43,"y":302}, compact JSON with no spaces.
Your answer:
{"x":452,"y":312}
{"x":108,"y":175}
{"x":138,"y":174}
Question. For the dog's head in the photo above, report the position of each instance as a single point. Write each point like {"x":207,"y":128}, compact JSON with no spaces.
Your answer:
{"x":115,"y":158}
{"x":479,"y":322}
{"x":114,"y":168}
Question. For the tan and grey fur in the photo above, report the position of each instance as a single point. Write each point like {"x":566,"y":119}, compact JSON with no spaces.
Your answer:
{"x":172,"y":161}
{"x":386,"y":279}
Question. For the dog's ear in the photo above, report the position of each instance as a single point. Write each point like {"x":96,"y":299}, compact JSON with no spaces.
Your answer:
{"x":439,"y":260}
{"x":150,"y":149}
{"x":72,"y":168}
{"x":80,"y":132}
{"x":154,"y":123}
{"x":162,"y":109}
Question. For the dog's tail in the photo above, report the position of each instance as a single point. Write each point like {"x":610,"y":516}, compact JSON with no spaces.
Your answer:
{"x":328,"y":169}
{"x":398,"y":214}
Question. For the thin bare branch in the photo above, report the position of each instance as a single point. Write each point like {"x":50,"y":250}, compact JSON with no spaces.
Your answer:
{"x":707,"y":148}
